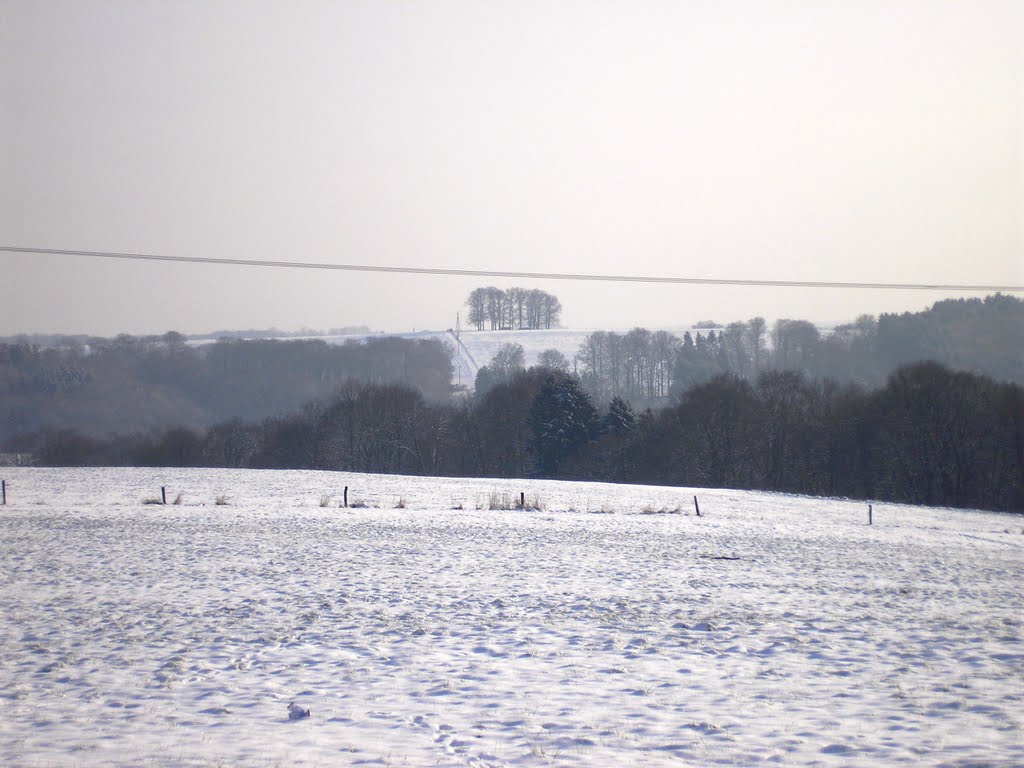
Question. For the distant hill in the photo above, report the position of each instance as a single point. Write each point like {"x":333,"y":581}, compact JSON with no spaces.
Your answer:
{"x":128,"y":384}
{"x":476,"y":348}
{"x":977,"y":335}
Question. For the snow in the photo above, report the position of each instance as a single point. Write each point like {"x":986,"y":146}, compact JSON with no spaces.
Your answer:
{"x":481,"y":346}
{"x":473,"y":349}
{"x":484,"y":344}
{"x":478,"y":347}
{"x":771,"y":629}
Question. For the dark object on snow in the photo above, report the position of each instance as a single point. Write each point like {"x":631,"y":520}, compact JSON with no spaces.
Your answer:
{"x":295,"y":712}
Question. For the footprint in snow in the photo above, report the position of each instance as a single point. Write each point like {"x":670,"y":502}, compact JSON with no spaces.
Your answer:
{"x":295,"y":712}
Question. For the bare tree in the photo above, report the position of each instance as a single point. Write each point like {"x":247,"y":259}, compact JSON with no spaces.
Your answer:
{"x":636,"y":348}
{"x":732,"y":340}
{"x":552,"y":309}
{"x":495,"y":306}
{"x":794,"y":342}
{"x":534,"y":308}
{"x":508,"y":359}
{"x":517,"y":306}
{"x":592,"y":357}
{"x":477,"y":303}
{"x":664,"y":353}
{"x":552,"y":358}
{"x":756,"y":331}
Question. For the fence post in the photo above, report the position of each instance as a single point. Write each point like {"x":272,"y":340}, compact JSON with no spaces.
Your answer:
{"x":346,"y":497}
{"x":522,"y":500}
{"x":869,"y":515}
{"x":163,"y":494}
{"x":696,"y":506}
{"x":3,"y":485}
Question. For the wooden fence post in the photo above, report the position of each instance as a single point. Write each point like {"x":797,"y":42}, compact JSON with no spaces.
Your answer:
{"x":869,"y":515}
{"x":346,"y":497}
{"x":696,"y":506}
{"x":522,"y":500}
{"x":163,"y":494}
{"x":3,"y":485}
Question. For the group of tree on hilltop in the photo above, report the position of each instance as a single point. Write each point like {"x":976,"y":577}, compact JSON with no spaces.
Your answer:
{"x":513,"y":309}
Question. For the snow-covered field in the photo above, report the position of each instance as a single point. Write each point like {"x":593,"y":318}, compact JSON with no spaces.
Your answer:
{"x":772,"y":629}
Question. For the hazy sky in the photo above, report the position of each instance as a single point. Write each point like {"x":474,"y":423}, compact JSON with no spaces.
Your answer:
{"x":810,"y":139}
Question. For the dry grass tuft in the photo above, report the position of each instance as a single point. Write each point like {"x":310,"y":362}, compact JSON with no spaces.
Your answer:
{"x":498,"y":501}
{"x":651,"y":510}
{"x":533,"y":504}
{"x":506,"y":501}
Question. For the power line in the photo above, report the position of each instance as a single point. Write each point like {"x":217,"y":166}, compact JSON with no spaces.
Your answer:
{"x":662,"y":279}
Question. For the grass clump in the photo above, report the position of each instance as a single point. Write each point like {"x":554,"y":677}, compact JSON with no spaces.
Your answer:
{"x":507,"y":501}
{"x":652,"y":510}
{"x":533,"y":503}
{"x":499,"y":501}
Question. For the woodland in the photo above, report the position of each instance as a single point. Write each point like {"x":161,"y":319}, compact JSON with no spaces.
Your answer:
{"x":787,"y":410}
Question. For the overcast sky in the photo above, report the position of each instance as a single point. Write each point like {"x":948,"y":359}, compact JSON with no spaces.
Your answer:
{"x":804,"y":139}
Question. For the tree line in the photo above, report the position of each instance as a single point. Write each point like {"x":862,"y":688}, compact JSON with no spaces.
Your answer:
{"x":647,"y":367}
{"x":130,"y":384}
{"x":784,"y":407}
{"x":513,"y":309}
{"x":928,"y":436}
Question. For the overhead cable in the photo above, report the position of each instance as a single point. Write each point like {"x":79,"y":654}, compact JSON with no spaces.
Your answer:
{"x":524,"y":275}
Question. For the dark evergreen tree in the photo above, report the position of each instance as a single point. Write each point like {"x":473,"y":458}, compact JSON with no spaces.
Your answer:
{"x":486,"y":380}
{"x":562,"y":418}
{"x":620,"y":419}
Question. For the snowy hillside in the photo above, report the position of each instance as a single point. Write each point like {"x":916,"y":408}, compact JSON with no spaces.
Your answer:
{"x":473,"y":349}
{"x":609,"y":626}
{"x":478,"y":347}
